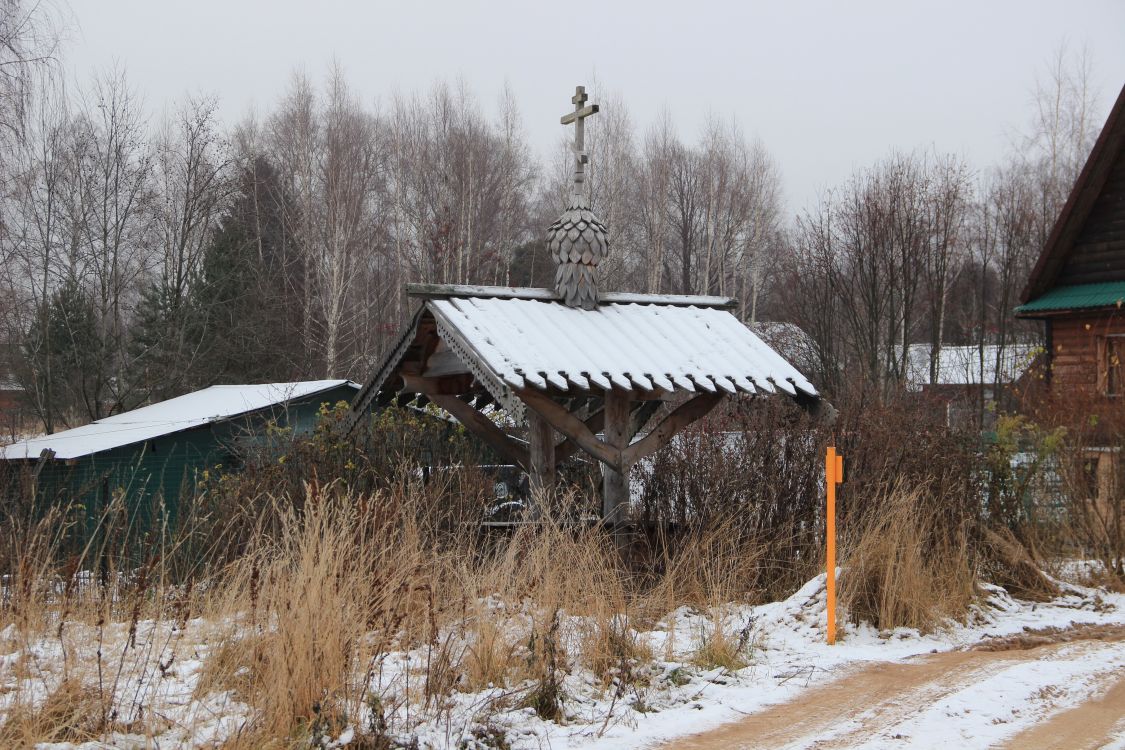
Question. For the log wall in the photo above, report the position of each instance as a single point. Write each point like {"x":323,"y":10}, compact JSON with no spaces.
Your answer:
{"x":1099,"y":249}
{"x":1075,"y":351}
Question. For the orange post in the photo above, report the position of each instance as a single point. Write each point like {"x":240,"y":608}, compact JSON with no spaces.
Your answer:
{"x":833,"y":475}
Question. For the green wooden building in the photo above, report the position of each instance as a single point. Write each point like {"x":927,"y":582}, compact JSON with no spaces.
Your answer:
{"x":156,"y":453}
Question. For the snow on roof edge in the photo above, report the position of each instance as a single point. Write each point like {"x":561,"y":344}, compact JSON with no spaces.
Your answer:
{"x":167,"y":417}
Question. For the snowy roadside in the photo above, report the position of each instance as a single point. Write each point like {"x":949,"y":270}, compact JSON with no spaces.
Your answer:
{"x":665,"y":699}
{"x":790,"y":657}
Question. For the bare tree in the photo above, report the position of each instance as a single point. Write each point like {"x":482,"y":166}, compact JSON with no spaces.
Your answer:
{"x":117,"y":194}
{"x":1063,"y":127}
{"x":29,"y":40}
{"x":948,"y":208}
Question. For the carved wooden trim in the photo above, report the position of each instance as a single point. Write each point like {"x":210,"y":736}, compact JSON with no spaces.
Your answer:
{"x":491,"y":381}
{"x":366,"y":397}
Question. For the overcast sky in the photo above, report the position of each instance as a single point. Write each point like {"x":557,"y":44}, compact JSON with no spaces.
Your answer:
{"x":827,"y":86}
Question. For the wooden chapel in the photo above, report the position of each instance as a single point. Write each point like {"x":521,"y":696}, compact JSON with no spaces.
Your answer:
{"x":584,"y":369}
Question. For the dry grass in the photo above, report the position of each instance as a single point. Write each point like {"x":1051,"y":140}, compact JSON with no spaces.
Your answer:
{"x":1010,"y":563}
{"x":902,"y":568}
{"x":613,"y":650}
{"x":304,"y":616}
{"x":493,"y":655}
{"x":72,"y":712}
{"x":723,"y":645}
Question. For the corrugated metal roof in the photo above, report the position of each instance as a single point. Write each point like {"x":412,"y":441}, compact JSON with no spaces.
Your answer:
{"x":1077,"y":297}
{"x":184,"y":412}
{"x":539,"y":343}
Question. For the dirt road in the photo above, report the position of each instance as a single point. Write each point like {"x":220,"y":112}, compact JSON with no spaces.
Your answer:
{"x":1061,"y":689}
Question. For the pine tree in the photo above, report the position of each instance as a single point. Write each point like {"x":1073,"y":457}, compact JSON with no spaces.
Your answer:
{"x":249,"y":279}
{"x":168,"y":341}
{"x":64,"y":359}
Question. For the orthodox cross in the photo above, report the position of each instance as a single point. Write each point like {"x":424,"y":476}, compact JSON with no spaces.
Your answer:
{"x":580,"y":113}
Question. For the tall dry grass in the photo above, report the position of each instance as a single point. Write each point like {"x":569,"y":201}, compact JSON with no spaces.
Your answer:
{"x":903,"y":567}
{"x":304,"y":585}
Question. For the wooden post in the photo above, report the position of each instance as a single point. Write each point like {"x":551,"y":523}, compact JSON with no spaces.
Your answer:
{"x":615,"y":484}
{"x":542,"y":458}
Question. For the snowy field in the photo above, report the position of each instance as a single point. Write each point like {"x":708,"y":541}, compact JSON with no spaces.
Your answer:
{"x":160,"y":702}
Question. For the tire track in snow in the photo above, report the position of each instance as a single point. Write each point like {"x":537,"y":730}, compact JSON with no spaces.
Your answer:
{"x":878,"y":693}
{"x":1097,"y":723}
{"x":977,"y":696}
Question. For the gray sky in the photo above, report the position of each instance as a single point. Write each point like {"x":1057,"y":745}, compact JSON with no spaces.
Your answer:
{"x":827,"y":86}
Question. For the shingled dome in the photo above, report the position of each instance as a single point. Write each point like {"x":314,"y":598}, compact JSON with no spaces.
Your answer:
{"x":577,"y":242}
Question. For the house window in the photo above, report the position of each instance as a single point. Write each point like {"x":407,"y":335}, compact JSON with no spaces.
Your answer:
{"x":1111,"y":365}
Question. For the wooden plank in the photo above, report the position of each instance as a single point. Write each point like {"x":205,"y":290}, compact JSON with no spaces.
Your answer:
{"x":441,"y":291}
{"x":571,"y":426}
{"x":681,"y":417}
{"x":487,"y":430}
{"x":615,"y":481}
{"x":567,"y":448}
{"x":542,"y":453}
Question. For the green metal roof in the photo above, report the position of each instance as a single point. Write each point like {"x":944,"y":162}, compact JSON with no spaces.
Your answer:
{"x":1077,"y":296}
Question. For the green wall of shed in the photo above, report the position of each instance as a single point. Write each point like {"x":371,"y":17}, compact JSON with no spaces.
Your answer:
{"x":157,"y":475}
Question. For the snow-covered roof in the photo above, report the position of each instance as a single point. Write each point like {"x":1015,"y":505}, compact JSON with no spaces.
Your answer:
{"x":789,"y":340}
{"x":202,"y":407}
{"x":537,"y":343}
{"x":513,"y":340}
{"x":962,"y":365}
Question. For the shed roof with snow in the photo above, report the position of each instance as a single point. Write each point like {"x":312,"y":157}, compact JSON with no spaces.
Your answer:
{"x":207,"y":406}
{"x":576,"y":372}
{"x":970,"y":365}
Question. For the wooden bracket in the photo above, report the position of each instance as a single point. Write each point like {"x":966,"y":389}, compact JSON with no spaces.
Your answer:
{"x":485,"y":428}
{"x":571,"y":426}
{"x":642,"y":413}
{"x":568,"y":447}
{"x":681,"y":417}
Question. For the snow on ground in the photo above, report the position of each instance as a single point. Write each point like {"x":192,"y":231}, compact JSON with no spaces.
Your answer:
{"x":670,"y":698}
{"x":791,"y":656}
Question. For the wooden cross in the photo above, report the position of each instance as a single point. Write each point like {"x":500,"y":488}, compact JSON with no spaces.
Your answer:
{"x":580,"y":113}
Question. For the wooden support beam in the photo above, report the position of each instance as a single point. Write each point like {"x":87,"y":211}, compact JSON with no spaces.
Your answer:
{"x":570,"y":425}
{"x":484,"y":428}
{"x":681,"y":417}
{"x":615,"y":480}
{"x":542,"y":453}
{"x":568,"y":447}
{"x":642,"y":413}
